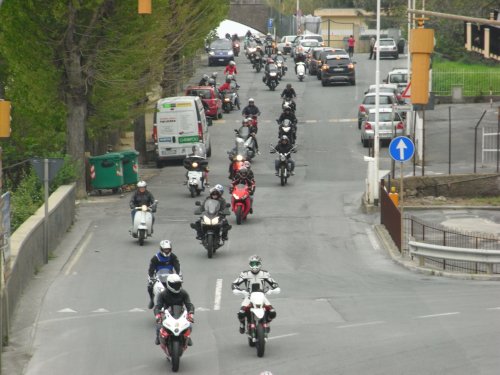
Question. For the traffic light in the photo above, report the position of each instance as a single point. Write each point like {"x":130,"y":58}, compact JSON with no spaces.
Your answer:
{"x":421,"y":48}
{"x":144,"y":6}
{"x":4,"y":118}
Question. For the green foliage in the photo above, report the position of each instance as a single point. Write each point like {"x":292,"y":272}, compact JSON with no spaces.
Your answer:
{"x":25,"y":200}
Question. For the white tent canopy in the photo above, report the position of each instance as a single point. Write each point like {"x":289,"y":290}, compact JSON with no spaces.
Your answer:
{"x":231,"y":27}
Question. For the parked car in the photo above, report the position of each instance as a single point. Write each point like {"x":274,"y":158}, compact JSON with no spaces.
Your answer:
{"x":387,"y":100}
{"x":328,"y":51}
{"x":304,"y":46}
{"x":338,"y":68}
{"x":388,"y":48}
{"x":285,"y":44}
{"x":210,"y":95}
{"x":387,"y":87}
{"x":399,"y":77}
{"x":220,"y":51}
{"x":390,"y":125}
{"x":296,"y":41}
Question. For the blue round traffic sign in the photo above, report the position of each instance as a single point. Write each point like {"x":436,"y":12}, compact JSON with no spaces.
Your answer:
{"x":401,"y":149}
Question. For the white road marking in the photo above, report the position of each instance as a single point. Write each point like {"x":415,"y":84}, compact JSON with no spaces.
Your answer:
{"x":101,"y":310}
{"x":348,"y":120}
{"x":494,"y":308}
{"x":67,"y":310}
{"x":372,"y":238}
{"x":137,"y":309}
{"x":202,"y":309}
{"x":311,"y":121}
{"x":218,"y":294}
{"x":362,"y":324}
{"x":437,"y":315}
{"x":78,"y":254}
{"x":282,"y":336}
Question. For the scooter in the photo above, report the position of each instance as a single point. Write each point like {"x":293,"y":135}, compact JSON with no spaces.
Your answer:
{"x":174,"y":334}
{"x":241,"y":202}
{"x":300,"y":67}
{"x":143,"y":222}
{"x":248,"y":141}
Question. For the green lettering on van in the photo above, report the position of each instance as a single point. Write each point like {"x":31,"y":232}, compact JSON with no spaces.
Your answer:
{"x":168,"y":105}
{"x":190,"y":139}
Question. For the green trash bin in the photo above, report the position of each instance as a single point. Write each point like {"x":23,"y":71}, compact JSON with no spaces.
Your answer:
{"x":106,"y":171}
{"x":130,"y":167}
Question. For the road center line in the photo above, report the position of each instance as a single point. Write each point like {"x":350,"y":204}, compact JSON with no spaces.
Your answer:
{"x":437,"y":315}
{"x":78,"y":254}
{"x":373,"y":240}
{"x":362,"y":324}
{"x":282,"y":336}
{"x":494,"y":308}
{"x":218,"y":294}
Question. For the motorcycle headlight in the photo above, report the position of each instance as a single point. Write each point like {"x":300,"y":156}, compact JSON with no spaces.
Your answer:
{"x":272,"y":74}
{"x":235,"y":196}
{"x":230,"y":53}
{"x":236,"y":45}
{"x":215,"y":220}
{"x":239,"y":157}
{"x":194,"y":165}
{"x":282,"y":157}
{"x":144,"y":208}
{"x":211,"y":53}
{"x":206,"y":220}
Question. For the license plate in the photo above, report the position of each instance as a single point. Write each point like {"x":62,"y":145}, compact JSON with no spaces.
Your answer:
{"x":170,"y":152}
{"x":338,"y":69}
{"x":221,"y":59}
{"x":165,"y":139}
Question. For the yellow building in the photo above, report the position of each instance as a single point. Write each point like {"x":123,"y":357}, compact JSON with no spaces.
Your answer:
{"x":337,"y":24}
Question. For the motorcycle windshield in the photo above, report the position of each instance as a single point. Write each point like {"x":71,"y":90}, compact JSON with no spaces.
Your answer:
{"x":162,"y":274}
{"x":244,"y":132}
{"x":212,"y":207}
{"x":241,"y":149}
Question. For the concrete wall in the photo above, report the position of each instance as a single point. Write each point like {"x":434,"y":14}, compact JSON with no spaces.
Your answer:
{"x":253,"y":13}
{"x":465,"y":185}
{"x":27,"y":247}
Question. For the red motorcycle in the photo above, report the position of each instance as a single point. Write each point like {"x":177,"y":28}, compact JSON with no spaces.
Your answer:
{"x":241,"y":202}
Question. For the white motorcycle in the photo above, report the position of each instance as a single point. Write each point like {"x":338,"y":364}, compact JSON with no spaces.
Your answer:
{"x":143,"y":222}
{"x":174,"y":334}
{"x":194,"y":182}
{"x":300,"y":67}
{"x":257,"y":326}
{"x":159,"y":281}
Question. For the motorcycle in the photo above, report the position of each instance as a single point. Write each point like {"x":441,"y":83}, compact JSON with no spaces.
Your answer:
{"x":290,"y":103}
{"x":143,"y":222}
{"x":257,"y":63}
{"x":269,"y":47}
{"x":159,"y":281}
{"x":248,"y":139}
{"x":272,"y":79}
{"x":287,"y":128}
{"x":284,"y":164}
{"x":227,"y":104}
{"x":211,"y":225}
{"x":257,"y":325}
{"x":241,"y":202}
{"x":236,"y":48}
{"x":300,"y":67}
{"x":174,"y":334}
{"x":237,"y":156}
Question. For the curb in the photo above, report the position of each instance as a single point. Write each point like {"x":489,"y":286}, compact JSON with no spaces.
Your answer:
{"x":389,"y":245}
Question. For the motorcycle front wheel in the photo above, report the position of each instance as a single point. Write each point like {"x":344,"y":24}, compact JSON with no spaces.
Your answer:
{"x":239,"y":215}
{"x":176,"y":355}
{"x":192,"y":191}
{"x":261,"y":340}
{"x":258,"y":68}
{"x":142,"y":236}
{"x":283,"y":176}
{"x":210,"y":245}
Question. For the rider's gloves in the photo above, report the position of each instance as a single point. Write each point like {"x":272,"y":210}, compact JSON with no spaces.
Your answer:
{"x":158,"y":318}
{"x":190,"y":318}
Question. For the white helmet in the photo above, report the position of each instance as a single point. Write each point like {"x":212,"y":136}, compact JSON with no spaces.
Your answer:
{"x":165,"y":245}
{"x":174,"y":283}
{"x":247,"y":164}
{"x":142,"y":184}
{"x":255,"y":263}
{"x":232,"y":63}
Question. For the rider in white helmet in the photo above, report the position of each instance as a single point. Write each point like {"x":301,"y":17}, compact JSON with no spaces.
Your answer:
{"x":142,"y":196}
{"x":254,"y":279}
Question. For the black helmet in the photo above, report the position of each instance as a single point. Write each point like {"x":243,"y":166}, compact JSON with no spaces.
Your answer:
{"x":288,"y":85}
{"x":243,"y":172}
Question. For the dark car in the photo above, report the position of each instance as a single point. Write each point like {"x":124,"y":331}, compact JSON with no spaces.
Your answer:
{"x":220,"y":52}
{"x":210,"y":96}
{"x":338,"y":68}
{"x":327,"y":51}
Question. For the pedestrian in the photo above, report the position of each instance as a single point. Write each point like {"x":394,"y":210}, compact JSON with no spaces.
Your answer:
{"x":350,"y":43}
{"x":372,"y":46}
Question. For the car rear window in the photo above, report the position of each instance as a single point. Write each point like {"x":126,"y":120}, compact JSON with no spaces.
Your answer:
{"x":318,"y":38}
{"x":221,"y":44}
{"x":387,"y":42}
{"x":399,"y":78}
{"x":337,"y":62}
{"x":385,"y":116}
{"x":197,"y":92}
{"x":310,"y":43}
{"x":384,"y":99}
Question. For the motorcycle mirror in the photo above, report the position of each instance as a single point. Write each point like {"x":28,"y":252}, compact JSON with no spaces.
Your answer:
{"x":197,"y":203}
{"x":228,"y":205}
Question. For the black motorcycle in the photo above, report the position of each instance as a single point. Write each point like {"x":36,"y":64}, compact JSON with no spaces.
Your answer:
{"x":272,"y":78}
{"x":288,"y":128}
{"x":211,"y":225}
{"x":284,"y":171}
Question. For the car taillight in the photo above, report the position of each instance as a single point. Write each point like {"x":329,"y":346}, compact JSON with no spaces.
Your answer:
{"x":350,"y":66}
{"x":362,"y":109}
{"x":400,"y":126}
{"x":324,"y":67}
{"x":368,"y":126}
{"x":155,"y":133}
{"x":200,"y":131}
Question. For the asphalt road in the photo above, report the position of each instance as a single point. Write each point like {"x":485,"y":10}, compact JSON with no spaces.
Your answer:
{"x":345,"y":307}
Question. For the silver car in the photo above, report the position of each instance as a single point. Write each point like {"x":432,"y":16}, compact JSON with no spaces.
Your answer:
{"x":387,"y":100}
{"x":390,"y":124}
{"x":387,"y":47}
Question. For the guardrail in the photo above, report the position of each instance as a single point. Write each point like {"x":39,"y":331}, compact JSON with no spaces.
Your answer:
{"x":484,"y":259}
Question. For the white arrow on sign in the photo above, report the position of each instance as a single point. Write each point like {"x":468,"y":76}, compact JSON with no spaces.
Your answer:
{"x":401,"y":147}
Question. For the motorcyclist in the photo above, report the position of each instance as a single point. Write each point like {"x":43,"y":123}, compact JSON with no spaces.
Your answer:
{"x":142,"y":196}
{"x":283,"y":147}
{"x":227,"y":89}
{"x":211,"y":82}
{"x":288,"y":114}
{"x":173,"y":295}
{"x":270,"y":66}
{"x":164,"y":260}
{"x":289,"y":93}
{"x":248,"y":34}
{"x":228,"y":36}
{"x":198,"y":155}
{"x":248,"y":166}
{"x":226,"y":86}
{"x":231,"y":68}
{"x":251,"y":109}
{"x":251,"y":280}
{"x":243,"y":177}
{"x":248,"y":122}
{"x":214,"y":77}
{"x":215,"y":193}
{"x":206,"y":107}
{"x":204,"y":80}
{"x":235,"y":37}
{"x":300,"y":58}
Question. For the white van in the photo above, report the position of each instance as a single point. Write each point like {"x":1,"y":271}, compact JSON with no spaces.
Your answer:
{"x":399,"y":77}
{"x":179,"y":123}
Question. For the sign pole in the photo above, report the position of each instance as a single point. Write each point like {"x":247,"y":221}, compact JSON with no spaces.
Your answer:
{"x":401,"y":204}
{"x":46,"y":218}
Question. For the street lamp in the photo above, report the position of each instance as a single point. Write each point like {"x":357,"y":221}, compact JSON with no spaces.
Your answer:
{"x":376,"y":137}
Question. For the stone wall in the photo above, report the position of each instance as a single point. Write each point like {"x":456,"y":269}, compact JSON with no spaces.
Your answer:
{"x":253,"y":13}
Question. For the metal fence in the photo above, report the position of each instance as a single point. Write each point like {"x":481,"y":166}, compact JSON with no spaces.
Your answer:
{"x":474,"y":83}
{"x":390,"y":216}
{"x":436,"y":234}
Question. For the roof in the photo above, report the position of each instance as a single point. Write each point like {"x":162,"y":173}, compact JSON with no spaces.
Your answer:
{"x":343,"y":12}
{"x":384,"y":85}
{"x":383,"y":109}
{"x":381,"y":94}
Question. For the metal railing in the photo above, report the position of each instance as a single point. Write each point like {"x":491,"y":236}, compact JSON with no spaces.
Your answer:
{"x":485,"y":261}
{"x":475,"y":83}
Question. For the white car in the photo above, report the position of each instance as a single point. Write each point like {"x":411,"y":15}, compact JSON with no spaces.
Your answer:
{"x":305,"y":45}
{"x":285,"y":44}
{"x":388,"y":48}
